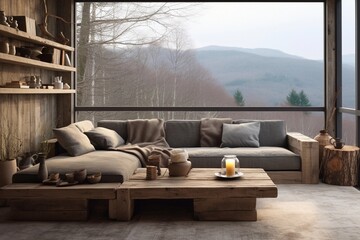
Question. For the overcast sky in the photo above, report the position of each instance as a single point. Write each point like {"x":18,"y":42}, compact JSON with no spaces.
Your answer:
{"x":295,"y":28}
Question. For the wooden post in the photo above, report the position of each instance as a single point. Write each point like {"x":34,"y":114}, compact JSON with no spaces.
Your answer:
{"x":340,"y":166}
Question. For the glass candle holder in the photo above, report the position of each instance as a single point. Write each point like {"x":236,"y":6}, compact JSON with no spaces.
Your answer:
{"x":230,"y":165}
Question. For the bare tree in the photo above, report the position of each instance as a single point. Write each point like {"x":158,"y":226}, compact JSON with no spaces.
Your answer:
{"x":122,"y":24}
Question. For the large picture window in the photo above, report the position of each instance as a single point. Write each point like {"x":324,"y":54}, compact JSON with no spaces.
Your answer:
{"x":234,"y":55}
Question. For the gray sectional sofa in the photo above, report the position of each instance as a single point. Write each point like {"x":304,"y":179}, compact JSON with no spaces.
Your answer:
{"x":287,"y":157}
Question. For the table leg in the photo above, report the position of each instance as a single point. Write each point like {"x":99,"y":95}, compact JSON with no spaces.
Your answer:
{"x":124,"y":205}
{"x":225,"y":209}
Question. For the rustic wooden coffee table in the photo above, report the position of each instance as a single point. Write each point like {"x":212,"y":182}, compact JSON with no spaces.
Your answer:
{"x":213,"y":198}
{"x":35,"y":201}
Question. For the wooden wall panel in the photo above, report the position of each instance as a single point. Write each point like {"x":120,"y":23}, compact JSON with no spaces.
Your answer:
{"x":33,"y":117}
{"x":30,"y":117}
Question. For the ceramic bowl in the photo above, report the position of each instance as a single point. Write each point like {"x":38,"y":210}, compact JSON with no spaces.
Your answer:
{"x":80,"y":175}
{"x":69,"y":177}
{"x":54,"y":176}
{"x":179,"y":169}
{"x":94,"y":178}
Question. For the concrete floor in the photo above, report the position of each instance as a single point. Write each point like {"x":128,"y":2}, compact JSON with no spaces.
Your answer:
{"x":318,"y":212}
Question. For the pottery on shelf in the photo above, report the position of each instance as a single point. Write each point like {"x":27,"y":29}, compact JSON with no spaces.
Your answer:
{"x":3,"y":19}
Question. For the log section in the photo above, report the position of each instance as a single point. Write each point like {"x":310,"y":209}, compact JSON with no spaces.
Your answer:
{"x":340,"y":166}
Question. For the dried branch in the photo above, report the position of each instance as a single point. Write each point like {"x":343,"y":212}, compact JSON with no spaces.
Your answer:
{"x":44,"y":30}
{"x":10,"y":144}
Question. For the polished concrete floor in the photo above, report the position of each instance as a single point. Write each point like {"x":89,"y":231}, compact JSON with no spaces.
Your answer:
{"x":318,"y":212}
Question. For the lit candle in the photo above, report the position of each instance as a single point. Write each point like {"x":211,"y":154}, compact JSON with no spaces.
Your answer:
{"x":230,"y":167}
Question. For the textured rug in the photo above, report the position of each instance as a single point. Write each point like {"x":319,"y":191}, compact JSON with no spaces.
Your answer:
{"x":300,"y":212}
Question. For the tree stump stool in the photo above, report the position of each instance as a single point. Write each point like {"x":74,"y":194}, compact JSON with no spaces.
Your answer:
{"x":340,"y":166}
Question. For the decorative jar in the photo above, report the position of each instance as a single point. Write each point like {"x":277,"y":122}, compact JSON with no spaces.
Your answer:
{"x":230,"y":165}
{"x":324,"y":139}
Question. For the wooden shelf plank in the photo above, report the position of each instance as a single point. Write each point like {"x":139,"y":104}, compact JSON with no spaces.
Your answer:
{"x":7,"y":58}
{"x":35,"y":91}
{"x":24,"y":36}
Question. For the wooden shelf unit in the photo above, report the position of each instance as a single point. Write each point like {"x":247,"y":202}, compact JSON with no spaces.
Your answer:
{"x":24,"y":36}
{"x":7,"y":58}
{"x":35,"y":91}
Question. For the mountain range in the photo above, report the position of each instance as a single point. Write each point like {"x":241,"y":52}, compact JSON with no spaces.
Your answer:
{"x":266,"y":76}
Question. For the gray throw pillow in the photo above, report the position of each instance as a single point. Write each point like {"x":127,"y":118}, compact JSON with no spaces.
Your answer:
{"x":104,"y":138}
{"x":73,"y":140}
{"x":241,"y":135}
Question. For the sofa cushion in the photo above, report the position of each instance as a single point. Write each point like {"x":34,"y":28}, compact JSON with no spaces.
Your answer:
{"x":240,"y":135}
{"x":104,"y":138}
{"x":73,"y":140}
{"x":119,"y":126}
{"x":182,"y":133}
{"x":272,"y":132}
{"x":114,"y":166}
{"x":211,"y":131}
{"x":145,"y":130}
{"x":268,"y":158}
{"x":85,"y":125}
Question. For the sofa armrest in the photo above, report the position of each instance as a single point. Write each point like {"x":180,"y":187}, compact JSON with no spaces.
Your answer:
{"x":308,"y":149}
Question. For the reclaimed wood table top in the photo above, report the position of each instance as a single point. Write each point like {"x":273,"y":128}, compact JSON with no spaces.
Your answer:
{"x":201,"y":182}
{"x":38,"y":190}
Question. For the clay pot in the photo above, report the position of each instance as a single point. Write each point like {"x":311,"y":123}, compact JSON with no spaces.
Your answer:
{"x":324,"y":139}
{"x":179,"y":169}
{"x":7,"y":169}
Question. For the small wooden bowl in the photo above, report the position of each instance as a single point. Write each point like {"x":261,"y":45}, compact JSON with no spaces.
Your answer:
{"x":54,"y":176}
{"x":94,"y":178}
{"x":80,"y":175}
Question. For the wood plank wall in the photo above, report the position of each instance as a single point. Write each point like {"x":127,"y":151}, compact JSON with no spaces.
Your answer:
{"x":33,"y":117}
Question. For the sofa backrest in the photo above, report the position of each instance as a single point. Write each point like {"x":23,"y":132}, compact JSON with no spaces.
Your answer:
{"x":182,"y":133}
{"x":119,"y":126}
{"x":186,"y":133}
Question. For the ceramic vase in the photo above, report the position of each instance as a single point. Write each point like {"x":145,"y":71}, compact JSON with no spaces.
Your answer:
{"x":7,"y":169}
{"x":43,"y":171}
{"x":324,"y":139}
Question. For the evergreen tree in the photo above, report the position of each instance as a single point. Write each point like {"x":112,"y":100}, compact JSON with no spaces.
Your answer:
{"x":239,"y":99}
{"x":298,"y":99}
{"x":304,"y":100}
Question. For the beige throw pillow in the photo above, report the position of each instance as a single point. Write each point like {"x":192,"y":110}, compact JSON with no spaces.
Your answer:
{"x":73,"y":140}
